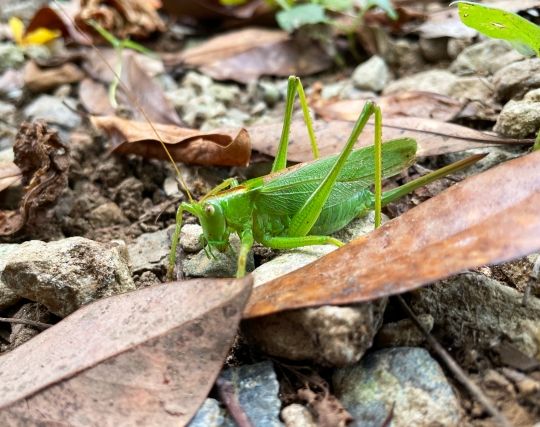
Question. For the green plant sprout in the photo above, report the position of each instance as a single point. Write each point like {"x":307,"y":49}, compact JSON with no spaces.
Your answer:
{"x":119,"y":46}
{"x":499,"y":24}
{"x":303,"y":204}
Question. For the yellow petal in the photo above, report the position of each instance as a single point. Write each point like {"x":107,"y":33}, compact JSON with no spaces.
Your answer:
{"x":17,"y":29}
{"x":41,"y":36}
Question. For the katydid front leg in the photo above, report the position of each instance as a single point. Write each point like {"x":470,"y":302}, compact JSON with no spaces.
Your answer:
{"x":308,"y":214}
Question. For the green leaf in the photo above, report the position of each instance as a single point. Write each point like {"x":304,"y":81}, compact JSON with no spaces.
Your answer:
{"x":337,"y":5}
{"x":385,"y":5}
{"x":293,"y":18}
{"x":499,"y":24}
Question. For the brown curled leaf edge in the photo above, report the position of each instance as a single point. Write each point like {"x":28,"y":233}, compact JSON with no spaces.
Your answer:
{"x":486,"y":219}
{"x":43,"y":160}
{"x":216,"y":148}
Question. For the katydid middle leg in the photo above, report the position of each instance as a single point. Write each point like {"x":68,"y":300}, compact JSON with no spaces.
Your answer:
{"x":302,"y":222}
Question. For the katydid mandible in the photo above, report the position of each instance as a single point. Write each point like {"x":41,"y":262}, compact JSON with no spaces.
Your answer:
{"x":303,"y":204}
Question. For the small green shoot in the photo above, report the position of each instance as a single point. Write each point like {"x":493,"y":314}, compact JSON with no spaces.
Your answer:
{"x":536,"y":145}
{"x":119,"y":46}
{"x":500,"y":24}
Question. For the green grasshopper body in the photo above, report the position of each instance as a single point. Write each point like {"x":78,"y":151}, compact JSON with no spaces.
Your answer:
{"x":301,"y":205}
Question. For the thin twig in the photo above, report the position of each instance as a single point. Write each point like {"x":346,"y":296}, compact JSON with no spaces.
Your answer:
{"x":230,"y":400}
{"x":39,"y":325}
{"x":452,"y":365}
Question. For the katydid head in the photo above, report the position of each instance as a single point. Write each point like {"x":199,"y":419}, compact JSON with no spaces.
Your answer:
{"x":214,"y":226}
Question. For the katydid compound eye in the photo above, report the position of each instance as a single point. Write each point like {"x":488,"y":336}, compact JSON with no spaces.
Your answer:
{"x":209,"y":209}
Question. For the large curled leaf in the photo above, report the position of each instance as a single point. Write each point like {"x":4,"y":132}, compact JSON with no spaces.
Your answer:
{"x":489,"y":218}
{"x":500,"y":24}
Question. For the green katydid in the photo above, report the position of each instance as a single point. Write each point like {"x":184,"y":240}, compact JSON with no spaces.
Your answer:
{"x":303,"y":204}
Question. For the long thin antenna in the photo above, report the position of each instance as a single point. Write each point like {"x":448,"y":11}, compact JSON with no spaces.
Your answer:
{"x":132,"y":99}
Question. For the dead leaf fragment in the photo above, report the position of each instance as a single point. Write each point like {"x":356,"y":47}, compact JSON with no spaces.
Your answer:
{"x":433,"y":137}
{"x":44,"y":162}
{"x":223,"y":148}
{"x":247,"y":54}
{"x":147,"y":357}
{"x":211,"y":10}
{"x":123,"y":18}
{"x":488,"y":218}
{"x":137,"y":91}
{"x":38,"y":79}
{"x":10,"y":174}
{"x":403,"y":104}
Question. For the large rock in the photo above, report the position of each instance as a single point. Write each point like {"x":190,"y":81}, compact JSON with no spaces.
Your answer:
{"x":328,"y":335}
{"x":486,"y":57}
{"x":403,"y":381}
{"x":516,"y":79}
{"x":436,"y":81}
{"x":150,"y":252}
{"x":7,"y":296}
{"x":257,"y":390}
{"x":67,"y":274}
{"x":475,"y":310}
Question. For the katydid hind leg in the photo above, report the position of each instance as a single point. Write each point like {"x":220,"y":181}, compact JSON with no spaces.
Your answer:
{"x":303,"y":220}
{"x":174,"y":243}
{"x":294,"y":86}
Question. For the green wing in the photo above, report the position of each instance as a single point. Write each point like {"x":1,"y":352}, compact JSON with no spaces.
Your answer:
{"x":286,"y":194}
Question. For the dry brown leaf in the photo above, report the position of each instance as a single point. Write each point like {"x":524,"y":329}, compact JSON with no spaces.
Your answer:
{"x":433,"y":137}
{"x":123,"y":18}
{"x":211,"y":10}
{"x":44,"y":162}
{"x":247,"y":54}
{"x":10,"y":174}
{"x":488,"y":218}
{"x":38,"y":79}
{"x":410,"y":104}
{"x":62,"y":20}
{"x":220,"y":148}
{"x":147,"y":357}
{"x":137,"y":92}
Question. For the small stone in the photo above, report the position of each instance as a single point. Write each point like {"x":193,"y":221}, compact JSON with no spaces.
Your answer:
{"x":519,"y":119}
{"x":220,"y":264}
{"x":404,"y":381}
{"x":436,"y":81}
{"x":471,"y":88}
{"x":170,"y":187}
{"x":271,"y":93}
{"x":209,"y":415}
{"x":486,"y":57}
{"x":372,"y":75}
{"x":297,"y":415}
{"x":516,"y":79}
{"x":198,"y":81}
{"x":190,"y":238}
{"x":11,"y":56}
{"x":52,"y":110}
{"x":20,"y":333}
{"x":150,"y":252}
{"x":7,"y":296}
{"x":257,"y":391}
{"x":224,"y":93}
{"x":66,"y":274}
{"x":181,"y":97}
{"x":106,"y":215}
{"x":532,"y":96}
{"x":202,"y":108}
